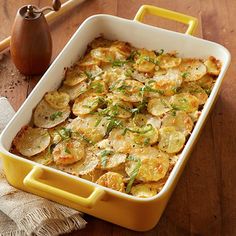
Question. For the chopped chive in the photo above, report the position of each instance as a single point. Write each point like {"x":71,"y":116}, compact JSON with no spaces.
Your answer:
{"x":55,"y":115}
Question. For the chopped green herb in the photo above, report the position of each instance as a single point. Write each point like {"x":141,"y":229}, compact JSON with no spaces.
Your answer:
{"x":98,"y":122}
{"x":128,"y":73}
{"x":143,"y":130}
{"x":104,"y":158}
{"x":160,"y":52}
{"x":98,"y":87}
{"x":113,"y":123}
{"x":147,"y":88}
{"x":88,"y":74}
{"x":208,"y":91}
{"x":67,"y":150}
{"x":106,"y":153}
{"x":123,"y":88}
{"x":55,"y":115}
{"x":118,"y":63}
{"x":64,"y":133}
{"x":149,"y":59}
{"x":104,"y":161}
{"x":132,"y":55}
{"x":146,"y":141}
{"x":185,"y":74}
{"x":84,"y":138}
{"x":133,"y":175}
{"x":139,"y":108}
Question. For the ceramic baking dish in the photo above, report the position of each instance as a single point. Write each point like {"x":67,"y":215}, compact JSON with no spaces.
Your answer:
{"x":119,"y":208}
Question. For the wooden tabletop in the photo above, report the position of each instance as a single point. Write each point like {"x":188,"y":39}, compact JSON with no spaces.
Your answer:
{"x":204,"y":202}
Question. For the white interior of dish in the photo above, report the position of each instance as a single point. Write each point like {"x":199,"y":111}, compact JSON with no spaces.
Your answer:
{"x":139,"y":35}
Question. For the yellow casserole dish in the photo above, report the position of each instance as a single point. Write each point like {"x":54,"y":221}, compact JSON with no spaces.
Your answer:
{"x":127,"y":211}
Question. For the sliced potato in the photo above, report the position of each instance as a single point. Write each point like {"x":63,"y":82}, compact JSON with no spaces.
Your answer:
{"x":145,"y":61}
{"x":196,"y":91}
{"x":129,"y":90}
{"x":144,"y":190}
{"x":58,"y":133}
{"x":44,"y":158}
{"x":68,"y":152}
{"x":141,"y":77}
{"x":213,"y":66}
{"x":92,"y":128}
{"x":166,"y":84}
{"x":109,"y":159}
{"x":206,"y":82}
{"x":195,"y":115}
{"x":192,"y":69}
{"x":82,"y":167}
{"x":85,"y":104}
{"x":140,"y":120}
{"x":112,"y":180}
{"x":118,"y":108}
{"x":98,"y":86}
{"x":158,"y":106}
{"x":146,"y":135}
{"x":154,"y":121}
{"x":88,"y":62}
{"x":93,"y":175}
{"x":184,"y":102}
{"x":144,"y":152}
{"x":167,"y":61}
{"x":120,"y":142}
{"x":74,"y":91}
{"x":104,"y":55}
{"x":171,"y":141}
{"x":31,"y":141}
{"x":57,"y":100}
{"x":122,"y":48}
{"x":100,"y":42}
{"x":180,"y":120}
{"x":74,"y":76}
{"x":47,"y":117}
{"x":154,"y":164}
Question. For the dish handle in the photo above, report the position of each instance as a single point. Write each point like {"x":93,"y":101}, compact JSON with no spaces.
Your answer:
{"x":192,"y":22}
{"x":32,"y":181}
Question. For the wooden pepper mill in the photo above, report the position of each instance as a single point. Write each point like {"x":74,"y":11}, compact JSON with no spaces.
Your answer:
{"x":31,"y":42}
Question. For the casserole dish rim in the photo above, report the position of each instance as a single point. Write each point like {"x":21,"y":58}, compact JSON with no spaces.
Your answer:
{"x":188,"y":146}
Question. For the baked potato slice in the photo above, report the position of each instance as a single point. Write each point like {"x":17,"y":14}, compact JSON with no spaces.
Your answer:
{"x":192,"y":69}
{"x":68,"y":152}
{"x":74,"y":91}
{"x":47,"y":117}
{"x":83,"y":167}
{"x":31,"y":141}
{"x":180,"y":120}
{"x":145,"y":61}
{"x":213,"y":66}
{"x":154,"y":164}
{"x":171,"y":141}
{"x":184,"y":102}
{"x":167,"y":61}
{"x":57,"y":100}
{"x":158,"y":106}
{"x":145,"y":190}
{"x":85,"y":104}
{"x":166,"y":84}
{"x":112,"y":180}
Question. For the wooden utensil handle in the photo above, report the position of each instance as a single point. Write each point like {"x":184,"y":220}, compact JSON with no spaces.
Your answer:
{"x":51,"y":16}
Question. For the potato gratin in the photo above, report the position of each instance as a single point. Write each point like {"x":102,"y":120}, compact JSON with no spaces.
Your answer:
{"x":121,"y":117}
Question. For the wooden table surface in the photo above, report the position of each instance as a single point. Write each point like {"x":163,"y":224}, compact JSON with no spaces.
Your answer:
{"x":204,"y":202}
